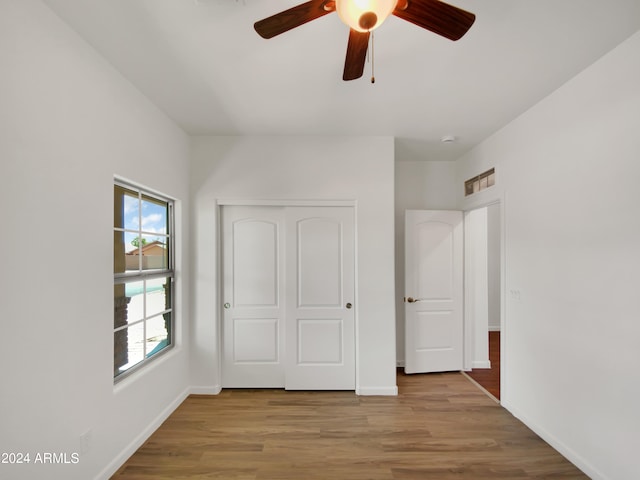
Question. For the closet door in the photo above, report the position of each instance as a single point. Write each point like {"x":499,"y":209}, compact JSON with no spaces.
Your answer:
{"x":288,"y":297}
{"x":253,"y":293}
{"x":320,"y":303}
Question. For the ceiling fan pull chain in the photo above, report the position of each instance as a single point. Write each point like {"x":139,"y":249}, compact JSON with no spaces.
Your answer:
{"x":373,"y":78}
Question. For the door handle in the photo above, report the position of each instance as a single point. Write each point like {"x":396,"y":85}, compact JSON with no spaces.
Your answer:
{"x":348,"y":305}
{"x":412,"y":300}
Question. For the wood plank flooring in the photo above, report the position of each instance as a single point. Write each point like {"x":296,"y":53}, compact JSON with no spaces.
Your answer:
{"x":439,"y":427}
{"x":489,"y":378}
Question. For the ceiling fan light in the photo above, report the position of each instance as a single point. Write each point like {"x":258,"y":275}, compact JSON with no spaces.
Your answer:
{"x":364,"y":15}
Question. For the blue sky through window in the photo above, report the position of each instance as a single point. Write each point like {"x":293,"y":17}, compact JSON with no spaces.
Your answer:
{"x":149,"y":216}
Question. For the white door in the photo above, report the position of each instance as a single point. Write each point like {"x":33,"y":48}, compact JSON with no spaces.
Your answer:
{"x":320,"y":325}
{"x":253,"y":293}
{"x":288,"y":297}
{"x":434,"y":291}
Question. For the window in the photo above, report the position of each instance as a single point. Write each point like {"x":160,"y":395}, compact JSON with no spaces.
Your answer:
{"x":482,"y":181}
{"x":143,"y":277}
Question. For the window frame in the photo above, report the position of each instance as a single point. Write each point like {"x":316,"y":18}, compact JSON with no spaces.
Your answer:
{"x":145,"y":275}
{"x":475,"y":185}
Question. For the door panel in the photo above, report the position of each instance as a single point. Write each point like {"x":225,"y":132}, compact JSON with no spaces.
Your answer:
{"x":433,"y":269}
{"x":255,"y":340}
{"x":320,"y":341}
{"x":434,"y":275}
{"x":320,"y":282}
{"x":319,"y":262}
{"x":253,"y":264}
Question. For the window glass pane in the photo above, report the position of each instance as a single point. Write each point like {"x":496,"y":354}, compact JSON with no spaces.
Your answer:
{"x":168,"y":326}
{"x":154,"y":216}
{"x":483,"y":183}
{"x":119,"y":257}
{"x":120,"y":351}
{"x":157,"y":335}
{"x":135,"y":293}
{"x":134,"y":347}
{"x":120,"y":306}
{"x":132,"y":246}
{"x":125,"y":208}
{"x":156,"y":296}
{"x":491,"y":179}
{"x":468,"y":188}
{"x":155,"y":252}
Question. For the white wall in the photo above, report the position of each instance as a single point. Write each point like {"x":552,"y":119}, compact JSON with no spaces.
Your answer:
{"x":569,"y":169}
{"x":68,"y":123}
{"x":300,"y":168}
{"x":419,"y":185}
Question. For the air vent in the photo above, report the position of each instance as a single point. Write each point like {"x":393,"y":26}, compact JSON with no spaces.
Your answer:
{"x":480,"y":182}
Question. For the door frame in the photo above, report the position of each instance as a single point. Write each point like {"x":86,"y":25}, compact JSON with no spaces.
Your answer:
{"x":501,"y":200}
{"x":248,"y":202}
{"x":475,"y":289}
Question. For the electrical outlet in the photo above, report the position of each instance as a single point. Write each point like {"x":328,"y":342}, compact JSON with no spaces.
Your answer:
{"x":85,"y":441}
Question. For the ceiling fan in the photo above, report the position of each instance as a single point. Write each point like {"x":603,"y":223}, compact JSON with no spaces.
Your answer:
{"x":363,"y":16}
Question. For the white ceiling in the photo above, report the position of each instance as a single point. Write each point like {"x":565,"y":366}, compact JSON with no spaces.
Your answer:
{"x":203,"y":64}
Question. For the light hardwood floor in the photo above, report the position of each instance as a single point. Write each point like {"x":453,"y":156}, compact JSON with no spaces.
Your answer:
{"x":439,"y":427}
{"x":490,"y":378}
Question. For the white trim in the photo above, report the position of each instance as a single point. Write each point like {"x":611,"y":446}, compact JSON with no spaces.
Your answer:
{"x":356,"y":296}
{"x":504,"y":392}
{"x":160,"y":358}
{"x":202,"y":390}
{"x":494,"y":328}
{"x":481,"y":364}
{"x":476,"y":309}
{"x":580,"y":462}
{"x":113,"y":466}
{"x":218,"y":301}
{"x":284,"y":203}
{"x":378,"y":391}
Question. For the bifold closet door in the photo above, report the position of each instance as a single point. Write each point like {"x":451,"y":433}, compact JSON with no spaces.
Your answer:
{"x":288,"y":297}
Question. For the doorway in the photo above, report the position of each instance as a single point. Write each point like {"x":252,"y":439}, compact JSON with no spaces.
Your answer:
{"x":483,"y":278}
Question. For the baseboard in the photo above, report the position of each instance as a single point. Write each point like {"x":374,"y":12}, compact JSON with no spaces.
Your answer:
{"x":494,"y":329}
{"x":213,"y":390}
{"x":400,"y":364}
{"x":564,"y":450}
{"x":137,"y":442}
{"x":380,"y":391}
{"x":481,"y":364}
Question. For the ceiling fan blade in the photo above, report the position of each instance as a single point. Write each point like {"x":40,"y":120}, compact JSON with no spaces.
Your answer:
{"x":293,"y":17}
{"x":439,"y":17}
{"x":356,"y":54}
